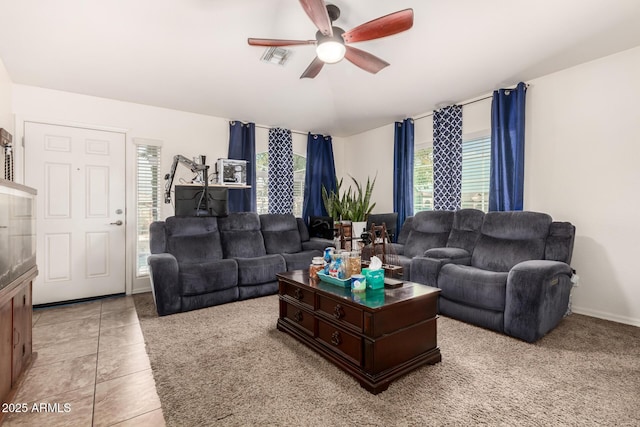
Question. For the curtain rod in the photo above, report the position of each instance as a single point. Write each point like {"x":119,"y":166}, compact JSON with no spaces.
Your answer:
{"x":462,"y":105}
{"x":271,"y":127}
{"x":471,"y":102}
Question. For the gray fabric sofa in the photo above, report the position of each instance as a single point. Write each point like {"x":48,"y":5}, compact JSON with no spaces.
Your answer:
{"x":200,"y":262}
{"x":505,"y":271}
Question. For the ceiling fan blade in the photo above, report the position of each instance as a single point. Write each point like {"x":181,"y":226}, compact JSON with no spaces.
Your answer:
{"x":384,"y":26}
{"x":317,"y":11}
{"x":365,"y":60}
{"x":313,"y":69}
{"x":278,"y":42}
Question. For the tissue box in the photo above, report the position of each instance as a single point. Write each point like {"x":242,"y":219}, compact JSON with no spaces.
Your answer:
{"x":375,"y":278}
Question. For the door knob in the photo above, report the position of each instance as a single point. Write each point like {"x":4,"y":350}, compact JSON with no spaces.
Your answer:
{"x":118,"y":222}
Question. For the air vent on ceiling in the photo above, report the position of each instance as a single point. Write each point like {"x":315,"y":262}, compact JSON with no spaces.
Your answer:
{"x":276,"y":55}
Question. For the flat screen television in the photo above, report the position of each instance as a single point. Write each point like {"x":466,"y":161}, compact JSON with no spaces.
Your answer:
{"x":190,"y":201}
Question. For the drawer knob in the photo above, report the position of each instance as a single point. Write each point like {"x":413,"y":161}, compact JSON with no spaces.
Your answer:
{"x":298,"y":294}
{"x":298,"y":316}
{"x":338,"y":311}
{"x":335,"y":338}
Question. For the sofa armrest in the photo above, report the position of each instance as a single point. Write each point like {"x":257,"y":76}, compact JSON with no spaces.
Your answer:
{"x":397,"y":247}
{"x":448,"y":253}
{"x":165,"y":285}
{"x":537,"y":297}
{"x":425,"y":270}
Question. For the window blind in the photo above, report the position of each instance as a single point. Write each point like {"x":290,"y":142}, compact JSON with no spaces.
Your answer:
{"x":476,"y":162}
{"x":148,"y":200}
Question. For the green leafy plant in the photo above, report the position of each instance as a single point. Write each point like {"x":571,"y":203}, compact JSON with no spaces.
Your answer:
{"x":332,"y":202}
{"x":359,"y":202}
{"x":353,"y":205}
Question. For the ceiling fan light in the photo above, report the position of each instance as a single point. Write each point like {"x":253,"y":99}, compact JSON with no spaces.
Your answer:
{"x":330,"y":51}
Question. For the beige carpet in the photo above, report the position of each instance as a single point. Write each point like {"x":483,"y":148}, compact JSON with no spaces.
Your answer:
{"x":229,"y":365}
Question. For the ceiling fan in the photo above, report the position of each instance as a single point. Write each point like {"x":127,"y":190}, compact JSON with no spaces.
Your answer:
{"x":332,"y":43}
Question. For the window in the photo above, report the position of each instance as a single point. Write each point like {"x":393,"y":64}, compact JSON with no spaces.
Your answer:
{"x":476,"y":160}
{"x":476,"y":163}
{"x":423,"y":178}
{"x":262,"y":182}
{"x":299,"y":172}
{"x":148,"y":200}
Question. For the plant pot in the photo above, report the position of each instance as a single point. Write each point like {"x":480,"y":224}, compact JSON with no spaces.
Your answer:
{"x":358,"y":228}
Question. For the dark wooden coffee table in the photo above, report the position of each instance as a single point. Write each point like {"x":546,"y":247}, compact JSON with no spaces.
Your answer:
{"x":375,"y":336}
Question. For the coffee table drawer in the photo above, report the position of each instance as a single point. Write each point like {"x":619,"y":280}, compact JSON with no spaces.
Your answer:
{"x":343,"y":313}
{"x":302,"y":319}
{"x":303,"y":296}
{"x":340,"y":341}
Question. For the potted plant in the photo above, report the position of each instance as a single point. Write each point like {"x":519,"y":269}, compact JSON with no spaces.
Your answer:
{"x":352,"y":205}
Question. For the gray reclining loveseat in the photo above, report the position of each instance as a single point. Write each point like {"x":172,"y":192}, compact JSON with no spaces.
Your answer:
{"x":505,"y":271}
{"x":198,"y":262}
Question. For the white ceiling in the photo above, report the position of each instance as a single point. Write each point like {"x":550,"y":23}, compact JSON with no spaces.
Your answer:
{"x":192,"y":55}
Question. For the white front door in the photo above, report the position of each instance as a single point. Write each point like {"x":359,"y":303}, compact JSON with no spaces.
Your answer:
{"x":80,"y":177}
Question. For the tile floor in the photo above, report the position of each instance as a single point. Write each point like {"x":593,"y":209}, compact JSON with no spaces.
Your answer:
{"x":92,"y":357}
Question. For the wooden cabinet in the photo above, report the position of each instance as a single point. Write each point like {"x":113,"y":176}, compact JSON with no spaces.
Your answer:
{"x":375,"y":336}
{"x":6,"y":347}
{"x":22,"y":328}
{"x":15,"y":333}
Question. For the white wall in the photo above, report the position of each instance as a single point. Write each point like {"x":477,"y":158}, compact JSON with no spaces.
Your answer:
{"x":6,"y":112}
{"x":582,"y":154}
{"x":366,"y":155}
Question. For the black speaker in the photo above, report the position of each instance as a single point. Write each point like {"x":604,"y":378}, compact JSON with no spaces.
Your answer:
{"x":321,"y":226}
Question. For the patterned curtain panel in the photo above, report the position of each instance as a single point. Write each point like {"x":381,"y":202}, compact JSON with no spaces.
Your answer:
{"x":242,"y":146}
{"x":447,"y":158}
{"x":280,"y":171}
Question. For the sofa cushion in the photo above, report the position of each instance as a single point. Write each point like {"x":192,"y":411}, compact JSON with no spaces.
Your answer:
{"x":195,"y":248}
{"x":281,"y":234}
{"x":188,"y":226}
{"x":429,"y":229}
{"x":258,"y":270}
{"x":300,"y":260}
{"x":465,"y":231}
{"x":303,"y":230}
{"x":559,"y":245}
{"x":473,"y":286}
{"x":403,"y":235}
{"x":241,"y":236}
{"x":158,"y":237}
{"x":508,"y":238}
{"x":192,"y":239}
{"x":199,"y":278}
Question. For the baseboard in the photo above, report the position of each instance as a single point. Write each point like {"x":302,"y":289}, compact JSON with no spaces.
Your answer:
{"x":606,"y":316}
{"x":141,"y":290}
